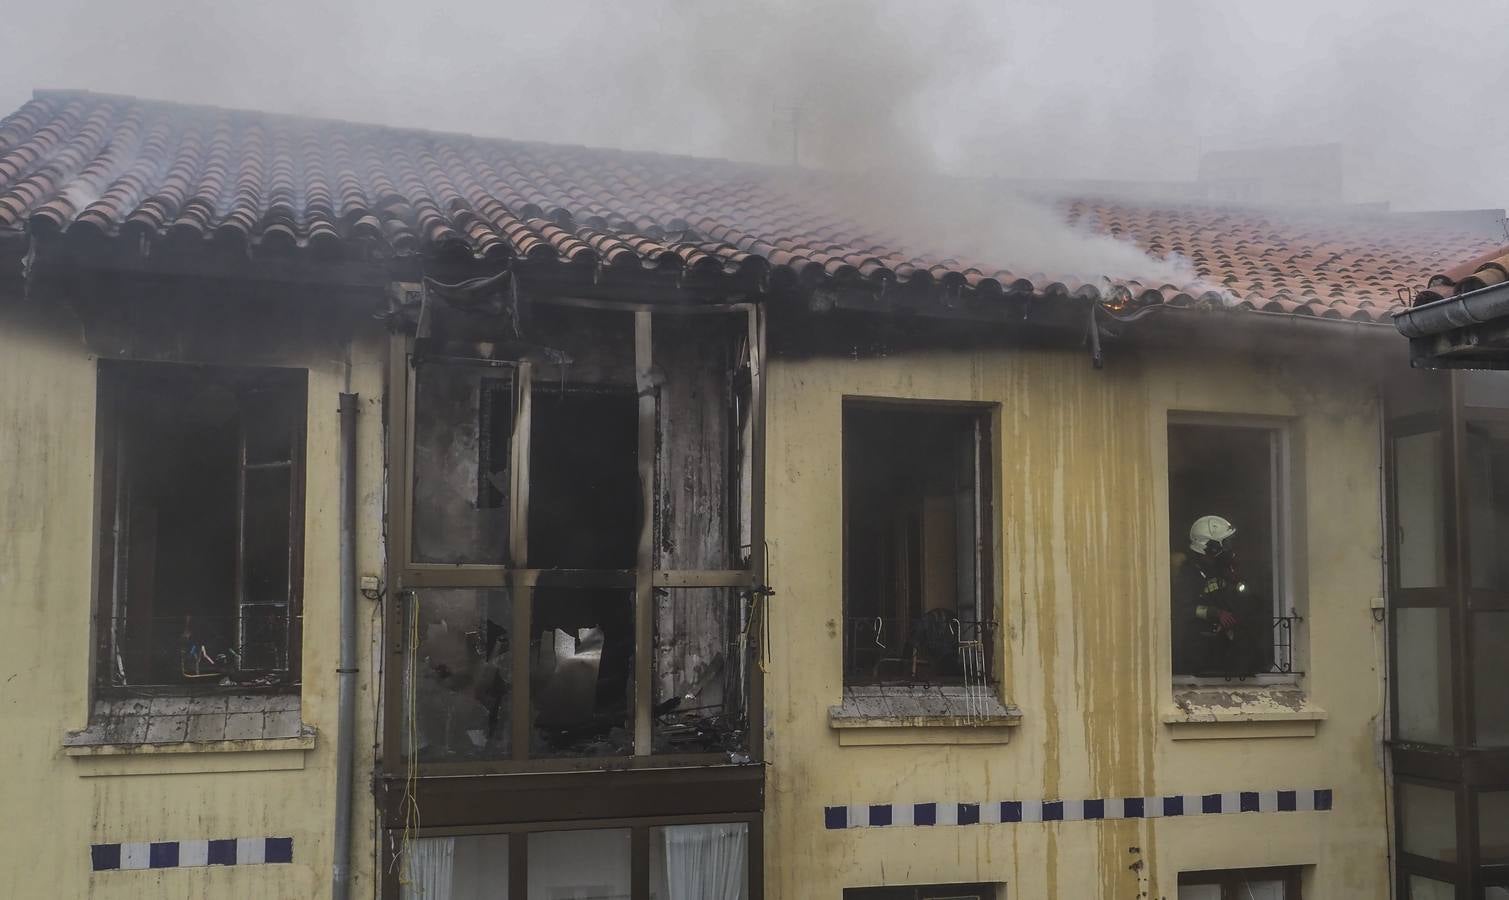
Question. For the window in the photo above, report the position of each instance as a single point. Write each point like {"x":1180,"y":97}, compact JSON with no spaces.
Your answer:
{"x":579,"y":571}
{"x":1232,"y":616}
{"x":1448,"y":481}
{"x":1428,"y":819}
{"x":1241,"y":884}
{"x":929,"y":892}
{"x":200,"y":527}
{"x":918,"y":605}
{"x":679,"y":862}
{"x":1486,"y":498}
{"x":580,"y":865}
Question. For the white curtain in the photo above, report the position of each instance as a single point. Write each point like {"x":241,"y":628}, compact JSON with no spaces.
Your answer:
{"x":706,"y":862}
{"x":429,"y":869}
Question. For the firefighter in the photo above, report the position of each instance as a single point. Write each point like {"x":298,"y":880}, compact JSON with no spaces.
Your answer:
{"x":1215,"y":616}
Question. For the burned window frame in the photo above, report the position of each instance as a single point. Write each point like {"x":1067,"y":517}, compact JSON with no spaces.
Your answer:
{"x":644,"y":581}
{"x":113,"y":382}
{"x":985,"y":420}
{"x":1287,"y":645}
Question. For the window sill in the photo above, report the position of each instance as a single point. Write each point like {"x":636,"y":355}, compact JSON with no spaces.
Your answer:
{"x":1247,"y":712}
{"x":164,"y":735}
{"x":884,"y":715}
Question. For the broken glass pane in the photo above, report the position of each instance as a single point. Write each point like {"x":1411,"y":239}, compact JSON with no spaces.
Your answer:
{"x":458,"y":665}
{"x":584,"y":494}
{"x":463,"y":423}
{"x":704,"y":654}
{"x":582,"y":672}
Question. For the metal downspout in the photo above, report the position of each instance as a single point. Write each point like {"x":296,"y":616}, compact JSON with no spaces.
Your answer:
{"x":345,"y":739}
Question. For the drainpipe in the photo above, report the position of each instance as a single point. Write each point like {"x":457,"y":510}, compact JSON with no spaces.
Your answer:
{"x":345,"y":737}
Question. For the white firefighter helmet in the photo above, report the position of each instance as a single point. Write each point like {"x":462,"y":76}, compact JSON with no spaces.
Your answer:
{"x":1209,"y":530}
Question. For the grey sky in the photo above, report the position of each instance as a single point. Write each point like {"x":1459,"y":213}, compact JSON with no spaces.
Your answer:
{"x":1040,"y":88}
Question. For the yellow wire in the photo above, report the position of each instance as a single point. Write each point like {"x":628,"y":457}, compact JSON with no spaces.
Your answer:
{"x":411,"y":822}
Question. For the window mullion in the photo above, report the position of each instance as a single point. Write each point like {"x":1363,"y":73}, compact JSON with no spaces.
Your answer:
{"x":979,"y":529}
{"x":518,"y":502}
{"x":639,"y":863}
{"x":520,"y":592}
{"x":644,"y":623}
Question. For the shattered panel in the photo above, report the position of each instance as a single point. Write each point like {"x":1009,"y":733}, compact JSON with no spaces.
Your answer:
{"x":457,"y":675}
{"x":463,"y":419}
{"x":704,"y":660}
{"x":581,"y":669}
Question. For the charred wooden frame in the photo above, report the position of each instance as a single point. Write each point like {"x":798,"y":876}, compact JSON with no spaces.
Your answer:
{"x":520,"y":794}
{"x":1463,"y":767}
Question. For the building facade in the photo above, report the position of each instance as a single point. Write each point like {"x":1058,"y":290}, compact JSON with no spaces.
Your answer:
{"x":658,"y":551}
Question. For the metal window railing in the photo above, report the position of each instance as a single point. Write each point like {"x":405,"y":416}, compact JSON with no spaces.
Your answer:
{"x":1250,"y":659}
{"x":250,"y":649}
{"x":935,"y":648}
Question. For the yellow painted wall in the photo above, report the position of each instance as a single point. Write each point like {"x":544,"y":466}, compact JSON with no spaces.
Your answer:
{"x":1083,"y":577}
{"x":52,"y":807}
{"x":1084,"y":585}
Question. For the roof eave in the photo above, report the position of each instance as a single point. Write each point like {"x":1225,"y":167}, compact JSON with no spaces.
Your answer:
{"x":1477,"y":307}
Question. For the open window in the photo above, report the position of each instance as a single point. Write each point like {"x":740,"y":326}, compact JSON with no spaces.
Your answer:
{"x":579,"y":570}
{"x":1275,"y":883}
{"x":200,"y":527}
{"x":1232,"y":610}
{"x":918,"y":606}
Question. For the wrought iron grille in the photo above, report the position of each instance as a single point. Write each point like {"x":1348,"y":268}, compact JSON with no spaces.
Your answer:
{"x":932,"y":649}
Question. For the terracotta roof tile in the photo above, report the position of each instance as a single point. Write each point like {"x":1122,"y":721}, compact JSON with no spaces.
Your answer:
{"x":101,"y":166}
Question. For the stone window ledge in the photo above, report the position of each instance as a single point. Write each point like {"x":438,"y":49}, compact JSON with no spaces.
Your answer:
{"x":1244,"y":712}
{"x":890,"y":715}
{"x":160,"y":725}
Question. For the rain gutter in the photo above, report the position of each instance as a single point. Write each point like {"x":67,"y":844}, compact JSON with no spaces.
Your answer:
{"x":1463,"y":311}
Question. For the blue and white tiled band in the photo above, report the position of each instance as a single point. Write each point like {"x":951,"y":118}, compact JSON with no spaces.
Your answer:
{"x":1011,"y":812}
{"x":186,"y":854}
